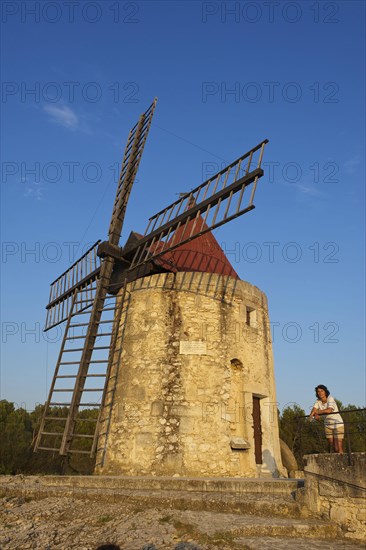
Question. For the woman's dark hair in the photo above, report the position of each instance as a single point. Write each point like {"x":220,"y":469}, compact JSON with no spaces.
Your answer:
{"x":321,"y":387}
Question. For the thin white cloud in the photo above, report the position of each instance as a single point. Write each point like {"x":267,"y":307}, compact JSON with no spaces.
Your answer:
{"x":352,"y":164}
{"x":308,"y":189}
{"x":34,"y":192}
{"x":312,"y":191}
{"x":64,"y":116}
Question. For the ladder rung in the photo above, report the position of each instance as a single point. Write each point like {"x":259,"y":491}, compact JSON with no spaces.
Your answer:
{"x":77,"y":362}
{"x":87,"y":324}
{"x":84,"y":336}
{"x":63,"y":390}
{"x":52,"y":433}
{"x":77,"y":419}
{"x":82,"y":376}
{"x":92,"y":389}
{"x":48,"y":449}
{"x":88,"y":312}
{"x":80,"y":405}
{"x":82,"y":349}
{"x":90,"y":301}
{"x":83,"y":435}
{"x":80,"y":452}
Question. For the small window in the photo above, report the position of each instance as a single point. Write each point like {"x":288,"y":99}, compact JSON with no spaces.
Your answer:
{"x":251,"y":317}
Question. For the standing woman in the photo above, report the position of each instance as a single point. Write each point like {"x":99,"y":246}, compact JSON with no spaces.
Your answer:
{"x":334,"y":427}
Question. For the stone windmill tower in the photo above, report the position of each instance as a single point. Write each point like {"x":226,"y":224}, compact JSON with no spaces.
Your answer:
{"x":174,"y":348}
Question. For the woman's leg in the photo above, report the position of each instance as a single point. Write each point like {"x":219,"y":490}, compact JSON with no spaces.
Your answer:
{"x":329,"y":434}
{"x":338,"y":438}
{"x":338,"y":445}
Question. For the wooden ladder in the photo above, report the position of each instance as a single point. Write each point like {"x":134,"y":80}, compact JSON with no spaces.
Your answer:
{"x":65,"y":417}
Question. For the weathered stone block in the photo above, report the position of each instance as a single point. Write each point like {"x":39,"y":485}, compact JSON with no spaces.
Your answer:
{"x":337,"y":489}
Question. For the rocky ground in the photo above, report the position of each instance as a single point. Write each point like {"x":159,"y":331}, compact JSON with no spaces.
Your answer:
{"x":64,"y":523}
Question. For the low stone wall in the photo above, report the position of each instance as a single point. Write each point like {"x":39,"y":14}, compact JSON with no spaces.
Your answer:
{"x":336,"y":490}
{"x":85,"y":486}
{"x":263,"y":497}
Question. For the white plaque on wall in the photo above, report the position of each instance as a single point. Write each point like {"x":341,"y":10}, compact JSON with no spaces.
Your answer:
{"x":193,"y":347}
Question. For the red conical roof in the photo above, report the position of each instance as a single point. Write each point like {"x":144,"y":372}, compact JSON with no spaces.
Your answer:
{"x":203,"y":253}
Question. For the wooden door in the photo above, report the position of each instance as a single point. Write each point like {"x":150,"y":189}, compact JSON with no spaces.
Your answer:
{"x":257,"y":428}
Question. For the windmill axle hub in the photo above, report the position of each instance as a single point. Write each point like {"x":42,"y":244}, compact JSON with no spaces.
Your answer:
{"x":105,"y":249}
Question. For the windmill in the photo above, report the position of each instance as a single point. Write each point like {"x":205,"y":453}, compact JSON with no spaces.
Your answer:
{"x":92,"y":296}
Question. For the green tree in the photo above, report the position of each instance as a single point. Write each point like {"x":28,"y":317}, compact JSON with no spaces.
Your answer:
{"x":355,"y":426}
{"x":52,"y":462}
{"x":45,"y":462}
{"x":304,"y":437}
{"x":19,"y":430}
{"x":16,"y":438}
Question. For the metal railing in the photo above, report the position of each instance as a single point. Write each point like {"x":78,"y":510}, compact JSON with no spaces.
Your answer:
{"x":353,"y":428}
{"x":342,"y":482}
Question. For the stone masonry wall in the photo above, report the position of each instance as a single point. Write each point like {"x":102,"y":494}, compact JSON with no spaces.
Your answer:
{"x":196,"y":349}
{"x":336,"y":490}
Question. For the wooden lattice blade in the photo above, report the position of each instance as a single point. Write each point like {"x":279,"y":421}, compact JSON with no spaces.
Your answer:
{"x":84,"y":273}
{"x":131,"y":160}
{"x":210,"y":205}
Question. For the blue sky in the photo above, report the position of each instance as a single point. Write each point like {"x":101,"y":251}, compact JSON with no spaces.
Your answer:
{"x":227,"y":75}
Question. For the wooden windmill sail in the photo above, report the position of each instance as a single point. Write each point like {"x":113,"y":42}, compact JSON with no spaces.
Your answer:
{"x":89,"y":299}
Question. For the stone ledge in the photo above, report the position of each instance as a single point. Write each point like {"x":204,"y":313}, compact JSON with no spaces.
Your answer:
{"x":241,"y":496}
{"x":227,"y":485}
{"x":335,"y":476}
